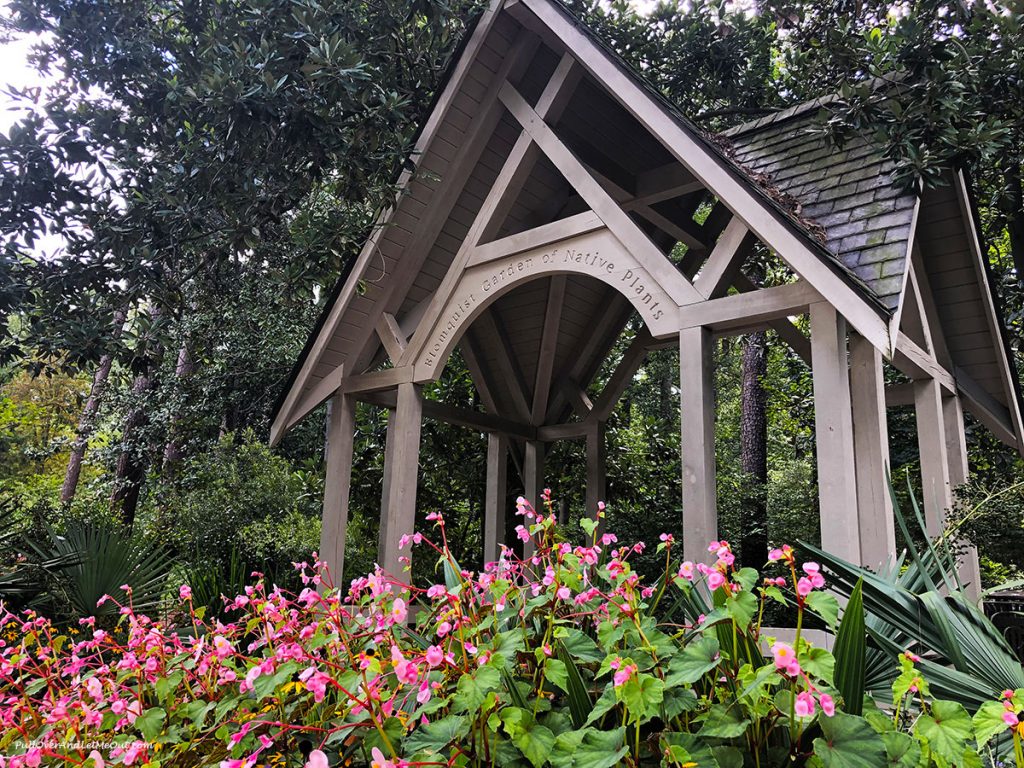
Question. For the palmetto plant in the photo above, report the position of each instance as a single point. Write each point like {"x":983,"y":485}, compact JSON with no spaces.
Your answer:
{"x":916,"y":603}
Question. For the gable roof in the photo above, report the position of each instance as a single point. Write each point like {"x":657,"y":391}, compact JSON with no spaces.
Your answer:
{"x":837,"y":213}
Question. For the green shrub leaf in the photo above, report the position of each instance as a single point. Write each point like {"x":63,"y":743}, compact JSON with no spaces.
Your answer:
{"x":434,"y":737}
{"x":848,"y":741}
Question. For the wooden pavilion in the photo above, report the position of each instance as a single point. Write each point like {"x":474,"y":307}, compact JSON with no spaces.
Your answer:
{"x":553,"y":196}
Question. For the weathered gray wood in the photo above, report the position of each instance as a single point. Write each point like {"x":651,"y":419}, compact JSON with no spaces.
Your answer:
{"x":427,"y":228}
{"x":596,"y":460}
{"x":697,"y":443}
{"x":767,"y":223}
{"x":733,"y":246}
{"x":459,"y":417}
{"x":969,"y":570}
{"x":385,"y":491}
{"x":833,"y":431}
{"x":986,"y":408}
{"x":745,"y":310}
{"x":497,"y":492}
{"x":783,"y":326}
{"x":572,"y":430}
{"x":617,"y":220}
{"x":533,"y":481}
{"x":899,"y":394}
{"x":871,"y":452}
{"x":497,"y":340}
{"x":548,"y":347}
{"x":376,"y":380}
{"x":931,"y":442}
{"x":337,"y":484}
{"x":579,"y":224}
{"x":391,"y":336}
{"x":664,"y":183}
{"x":577,"y":397}
{"x":917,"y":363}
{"x":403,"y":453}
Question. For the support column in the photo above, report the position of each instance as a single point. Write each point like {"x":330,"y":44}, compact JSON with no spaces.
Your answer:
{"x":533,"y":482}
{"x":871,"y":453}
{"x":389,"y":446}
{"x":402,"y":458}
{"x":595,"y":467}
{"x":956,"y":451}
{"x":497,"y":494}
{"x":341,"y":429}
{"x":833,"y":431}
{"x":931,"y":442}
{"x":697,"y":441}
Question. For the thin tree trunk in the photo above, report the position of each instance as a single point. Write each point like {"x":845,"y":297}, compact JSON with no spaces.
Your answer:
{"x":754,"y":450}
{"x":87,"y":421}
{"x":173,"y":453}
{"x":131,"y":468}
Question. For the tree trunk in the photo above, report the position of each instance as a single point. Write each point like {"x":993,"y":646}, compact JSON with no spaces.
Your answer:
{"x":173,"y":453}
{"x":131,"y":466}
{"x":87,"y":421}
{"x":754,"y":451}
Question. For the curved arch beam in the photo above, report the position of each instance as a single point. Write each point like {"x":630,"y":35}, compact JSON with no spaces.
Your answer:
{"x":596,"y":254}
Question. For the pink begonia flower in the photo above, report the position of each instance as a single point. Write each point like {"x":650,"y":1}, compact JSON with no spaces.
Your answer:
{"x":434,"y":656}
{"x":34,"y":757}
{"x":621,"y":677}
{"x":377,"y":760}
{"x":437,"y":590}
{"x":443,"y":628}
{"x":813,"y":571}
{"x":804,"y":587}
{"x":185,"y":592}
{"x":686,"y":571}
{"x":398,"y":611}
{"x":95,"y":688}
{"x":804,"y":705}
{"x":97,"y":759}
{"x":715,"y":580}
{"x":470,"y":648}
{"x":317,"y":759}
{"x":424,"y":695}
{"x":828,"y":706}
{"x":775,"y":554}
{"x":522,"y":533}
{"x":608,"y":538}
{"x":785,"y":658}
{"x":1010,"y":718}
{"x":668,"y":538}
{"x":563,"y":593}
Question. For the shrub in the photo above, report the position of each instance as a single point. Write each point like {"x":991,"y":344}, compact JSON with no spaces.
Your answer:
{"x":567,"y":659}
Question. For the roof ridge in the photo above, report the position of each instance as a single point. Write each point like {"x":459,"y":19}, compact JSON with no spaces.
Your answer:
{"x":773,"y":118}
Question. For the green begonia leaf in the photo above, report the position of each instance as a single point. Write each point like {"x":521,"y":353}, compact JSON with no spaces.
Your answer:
{"x":849,"y":741}
{"x":946,"y":726}
{"x":589,"y":748}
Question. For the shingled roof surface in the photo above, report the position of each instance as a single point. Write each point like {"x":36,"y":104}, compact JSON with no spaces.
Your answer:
{"x":850,"y":192}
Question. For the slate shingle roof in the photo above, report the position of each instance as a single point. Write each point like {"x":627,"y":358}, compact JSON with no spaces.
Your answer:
{"x":867,"y":219}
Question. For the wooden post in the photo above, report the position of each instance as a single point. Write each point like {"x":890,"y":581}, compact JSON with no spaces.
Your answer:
{"x":697,"y":443}
{"x":595,"y":466}
{"x":956,"y":451}
{"x":385,"y":493}
{"x":935,"y":465}
{"x":533,"y":482}
{"x":337,"y":483}
{"x":833,"y":431}
{"x":497,"y":492}
{"x":871,"y":453}
{"x":402,"y":456}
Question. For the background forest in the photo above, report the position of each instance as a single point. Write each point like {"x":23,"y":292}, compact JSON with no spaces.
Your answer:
{"x":214,"y":166}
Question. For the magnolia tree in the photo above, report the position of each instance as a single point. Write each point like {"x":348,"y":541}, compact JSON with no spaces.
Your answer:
{"x":565,"y":658}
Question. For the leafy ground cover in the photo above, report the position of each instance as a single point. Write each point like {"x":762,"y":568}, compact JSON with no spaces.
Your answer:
{"x":567,"y":658}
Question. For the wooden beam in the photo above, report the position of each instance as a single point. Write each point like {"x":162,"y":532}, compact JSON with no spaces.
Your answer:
{"x":497,"y":493}
{"x":784,"y":327}
{"x":697,"y":443}
{"x":726,"y":258}
{"x":596,"y":456}
{"x":429,"y":226}
{"x":623,"y":374}
{"x":871,"y":451}
{"x":459,"y":417}
{"x":917,"y":363}
{"x":501,"y":196}
{"x":545,"y":234}
{"x":548,"y":348}
{"x":391,"y":336}
{"x":931,"y":442}
{"x":665,"y":224}
{"x":664,"y":183}
{"x":726,"y":183}
{"x":570,"y":430}
{"x":341,"y":428}
{"x":497,"y":340}
{"x":969,"y":570}
{"x":987,"y":409}
{"x":533,"y":480}
{"x":744,"y":310}
{"x":400,"y":502}
{"x":376,"y":380}
{"x":617,"y":220}
{"x":301,"y":406}
{"x":576,"y":396}
{"x":833,"y":430}
{"x":899,"y":395}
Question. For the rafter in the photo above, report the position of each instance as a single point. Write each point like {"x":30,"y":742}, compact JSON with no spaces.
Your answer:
{"x":548,"y":347}
{"x":717,"y":274}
